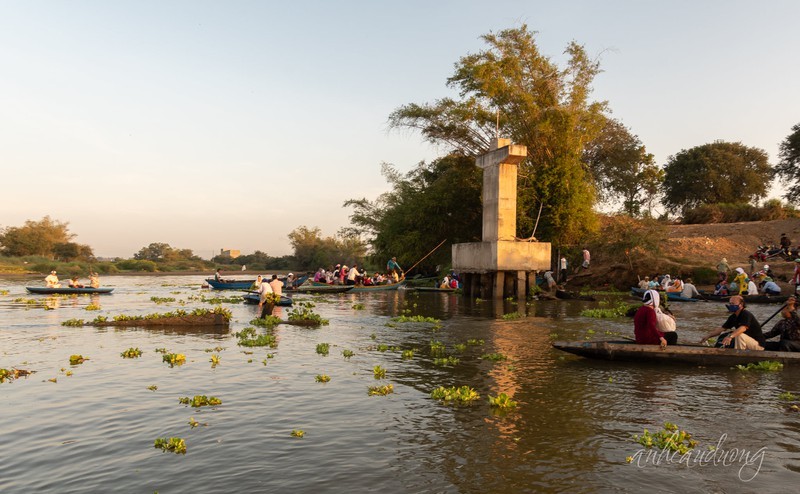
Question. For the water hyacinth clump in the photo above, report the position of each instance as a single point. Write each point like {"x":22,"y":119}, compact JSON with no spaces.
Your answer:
{"x":322,"y":378}
{"x":455,"y":395}
{"x":267,"y":322}
{"x":131,"y":353}
{"x":494,"y":357}
{"x":323,"y":349}
{"x":75,"y":323}
{"x":380,"y":390}
{"x":77,"y":359}
{"x":502,"y":401}
{"x":174,"y":359}
{"x":347,"y":353}
{"x":379,"y":372}
{"x":670,"y":438}
{"x":173,"y":444}
{"x":765,"y":365}
{"x":446,"y":361}
{"x":200,"y":401}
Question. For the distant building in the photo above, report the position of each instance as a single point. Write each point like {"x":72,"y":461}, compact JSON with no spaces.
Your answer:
{"x":232,"y":253}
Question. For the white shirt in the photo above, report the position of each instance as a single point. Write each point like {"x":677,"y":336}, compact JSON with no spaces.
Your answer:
{"x":351,"y":275}
{"x":752,"y":289}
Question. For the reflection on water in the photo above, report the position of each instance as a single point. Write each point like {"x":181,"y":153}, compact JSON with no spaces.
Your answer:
{"x":93,"y":430}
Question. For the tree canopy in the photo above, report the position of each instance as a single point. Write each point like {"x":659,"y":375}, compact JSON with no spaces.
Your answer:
{"x":719,"y":172}
{"x":512,"y":88}
{"x":788,"y":169}
{"x":622,"y":168}
{"x":161,"y":252}
{"x":436,"y":201}
{"x":46,"y":237}
{"x":313,"y":251}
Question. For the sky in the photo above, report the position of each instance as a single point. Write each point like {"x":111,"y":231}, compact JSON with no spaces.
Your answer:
{"x":215,"y":125}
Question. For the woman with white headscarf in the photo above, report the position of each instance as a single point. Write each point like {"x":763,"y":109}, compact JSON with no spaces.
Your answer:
{"x":645,"y":322}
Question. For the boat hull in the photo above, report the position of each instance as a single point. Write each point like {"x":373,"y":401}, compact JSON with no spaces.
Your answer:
{"x":671,"y":296}
{"x":231,"y":284}
{"x":678,"y":354}
{"x":364,"y":289}
{"x":66,"y":290}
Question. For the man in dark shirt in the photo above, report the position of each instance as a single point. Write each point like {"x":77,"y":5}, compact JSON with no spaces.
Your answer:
{"x":746,"y":333}
{"x":788,"y":328}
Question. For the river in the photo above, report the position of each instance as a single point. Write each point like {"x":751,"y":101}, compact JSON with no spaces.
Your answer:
{"x":572,"y":431}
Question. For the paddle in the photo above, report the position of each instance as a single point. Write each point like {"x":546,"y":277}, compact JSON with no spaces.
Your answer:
{"x":425,"y":256}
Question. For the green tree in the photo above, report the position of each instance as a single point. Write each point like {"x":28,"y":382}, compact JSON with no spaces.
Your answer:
{"x":35,"y":238}
{"x":312,"y":250}
{"x":513,"y":88}
{"x":433,"y":202}
{"x":719,"y":172}
{"x":156,"y":251}
{"x":623,"y":169}
{"x":788,"y":169}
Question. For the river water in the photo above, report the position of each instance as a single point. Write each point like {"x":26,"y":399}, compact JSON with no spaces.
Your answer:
{"x":94,"y":430}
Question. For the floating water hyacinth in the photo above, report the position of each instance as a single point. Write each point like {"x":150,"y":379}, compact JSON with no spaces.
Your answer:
{"x":174,"y":359}
{"x":200,"y":401}
{"x":131,"y":353}
{"x":173,"y":444}
{"x":77,"y":359}
{"x":380,"y":390}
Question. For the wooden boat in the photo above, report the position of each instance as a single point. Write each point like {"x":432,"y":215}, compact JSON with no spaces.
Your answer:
{"x":320,"y":288}
{"x":684,"y":354}
{"x":366,"y":289}
{"x":671,"y":296}
{"x":253,"y":298}
{"x":230,"y":284}
{"x":750,"y":299}
{"x":66,"y":290}
{"x":435,"y":289}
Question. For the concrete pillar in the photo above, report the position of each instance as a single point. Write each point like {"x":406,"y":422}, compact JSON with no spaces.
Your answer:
{"x":522,"y":280}
{"x":508,"y":286}
{"x":499,"y":285}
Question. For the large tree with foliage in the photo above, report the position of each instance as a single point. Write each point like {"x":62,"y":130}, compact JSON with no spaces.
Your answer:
{"x":313,"y":251}
{"x":35,"y":238}
{"x":719,"y":172}
{"x":788,"y":169}
{"x":513,"y":87}
{"x":435,"y":201}
{"x":161,"y":252}
{"x":624,"y":172}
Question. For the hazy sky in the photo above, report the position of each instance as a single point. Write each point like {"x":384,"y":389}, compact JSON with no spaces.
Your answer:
{"x":227,"y":124}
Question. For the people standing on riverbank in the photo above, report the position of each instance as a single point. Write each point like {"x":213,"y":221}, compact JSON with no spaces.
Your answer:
{"x":562,"y":267}
{"x":746,"y":334}
{"x":723,"y":269}
{"x":587,"y":258}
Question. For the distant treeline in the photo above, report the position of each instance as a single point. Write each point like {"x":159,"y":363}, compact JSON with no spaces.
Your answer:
{"x":733,"y":213}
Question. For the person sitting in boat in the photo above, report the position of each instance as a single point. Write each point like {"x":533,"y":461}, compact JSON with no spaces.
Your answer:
{"x":770,"y":287}
{"x":666,"y":282}
{"x":290,"y":281}
{"x":689,"y":290}
{"x":367,"y":281}
{"x":746,"y":334}
{"x":276,"y":284}
{"x":94,"y":280}
{"x":445,"y":282}
{"x":740,"y":280}
{"x":256,"y":284}
{"x":454,"y":283}
{"x":676,"y":286}
{"x":52,"y":280}
{"x":721,"y":288}
{"x":752,"y":289}
{"x":654,"y":284}
{"x":393,"y":267}
{"x":73,"y":283}
{"x":319,"y":276}
{"x":787,"y":328}
{"x":342,"y":275}
{"x":218,"y":276}
{"x":645,"y":283}
{"x":645,"y":321}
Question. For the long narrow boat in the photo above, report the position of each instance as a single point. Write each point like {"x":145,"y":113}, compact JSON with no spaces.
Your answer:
{"x":366,"y":289}
{"x":671,"y":296}
{"x":230,"y":284}
{"x":435,"y":289}
{"x":66,"y":290}
{"x":684,"y":354}
{"x":320,"y":288}
{"x":253,"y":298}
{"x":750,"y":299}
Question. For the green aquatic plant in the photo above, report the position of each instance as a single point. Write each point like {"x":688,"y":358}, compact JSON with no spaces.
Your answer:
{"x":266,"y":339}
{"x":215,"y":349}
{"x":379,"y":372}
{"x":11,"y":374}
{"x":267,"y":322}
{"x":494,"y":357}
{"x":162,"y":300}
{"x":99,"y":319}
{"x":358,"y":306}
{"x":382,"y":348}
{"x":347,"y":353}
{"x":437,"y":348}
{"x":446,"y":361}
{"x":173,"y":444}
{"x":322,"y":378}
{"x":502,"y":401}
{"x":455,"y":395}
{"x":131,"y":353}
{"x":512,"y":315}
{"x":200,"y":401}
{"x":620,"y":310}
{"x":669,"y":438}
{"x":174,"y":359}
{"x":3,"y":292}
{"x":161,"y":350}
{"x":460,"y":347}
{"x":474,"y":342}
{"x":92,"y":307}
{"x":214,"y":360}
{"x":787,"y":396}
{"x":380,"y":390}
{"x":298,"y":433}
{"x":373,"y":336}
{"x":153,"y":388}
{"x":75,"y":323}
{"x":77,"y":359}
{"x":323,"y":348}
{"x":404,"y":318}
{"x":407,"y":354}
{"x":764,"y":365}
{"x":302,"y":313}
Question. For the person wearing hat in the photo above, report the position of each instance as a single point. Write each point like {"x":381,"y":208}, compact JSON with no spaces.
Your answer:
{"x":723,"y":269}
{"x":741,"y":280}
{"x":746,"y":330}
{"x":645,"y":321}
{"x":645,"y":283}
{"x":768,"y":271}
{"x":52,"y":280}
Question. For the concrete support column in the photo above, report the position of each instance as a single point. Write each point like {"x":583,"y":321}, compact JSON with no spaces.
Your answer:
{"x":499,"y":285}
{"x":522,"y":280}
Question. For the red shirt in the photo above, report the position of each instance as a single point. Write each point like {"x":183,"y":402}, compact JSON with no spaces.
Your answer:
{"x":644,"y":326}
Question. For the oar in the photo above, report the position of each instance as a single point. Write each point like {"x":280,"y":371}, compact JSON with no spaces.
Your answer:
{"x":426,"y":255}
